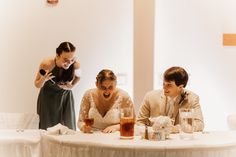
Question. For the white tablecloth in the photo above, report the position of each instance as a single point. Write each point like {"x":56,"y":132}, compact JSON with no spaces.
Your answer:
{"x":213,"y":144}
{"x":20,"y":143}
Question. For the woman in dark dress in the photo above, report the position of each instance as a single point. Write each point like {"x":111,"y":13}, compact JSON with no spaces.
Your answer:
{"x":55,"y":78}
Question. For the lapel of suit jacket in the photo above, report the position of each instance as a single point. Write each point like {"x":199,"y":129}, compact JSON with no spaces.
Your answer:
{"x":176,"y":106}
{"x":164,"y":104}
{"x":176,"y":109}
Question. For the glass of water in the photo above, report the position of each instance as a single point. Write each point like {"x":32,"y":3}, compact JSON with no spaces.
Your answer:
{"x":186,"y":117}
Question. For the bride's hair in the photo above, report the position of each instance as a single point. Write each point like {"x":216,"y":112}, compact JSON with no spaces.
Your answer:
{"x":105,"y":74}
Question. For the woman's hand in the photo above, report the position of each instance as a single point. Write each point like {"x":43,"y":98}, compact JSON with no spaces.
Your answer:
{"x":42,"y":77}
{"x":66,"y":86}
{"x":111,"y":129}
{"x":48,"y":76}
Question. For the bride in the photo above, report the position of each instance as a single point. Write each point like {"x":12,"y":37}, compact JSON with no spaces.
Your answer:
{"x":103,"y":104}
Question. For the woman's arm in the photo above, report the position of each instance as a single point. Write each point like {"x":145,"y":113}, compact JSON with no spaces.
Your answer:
{"x":41,"y":79}
{"x":76,"y":73}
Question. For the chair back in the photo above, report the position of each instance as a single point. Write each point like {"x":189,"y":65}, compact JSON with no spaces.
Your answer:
{"x":231,"y":121}
{"x":19,"y":121}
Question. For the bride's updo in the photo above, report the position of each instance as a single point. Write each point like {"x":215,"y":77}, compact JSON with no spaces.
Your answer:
{"x":105,"y":74}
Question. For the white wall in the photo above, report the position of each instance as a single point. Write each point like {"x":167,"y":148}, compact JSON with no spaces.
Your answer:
{"x":189,"y":34}
{"x":101,"y":30}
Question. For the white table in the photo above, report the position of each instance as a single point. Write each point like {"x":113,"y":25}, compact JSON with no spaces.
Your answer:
{"x":213,"y":144}
{"x":15,"y":143}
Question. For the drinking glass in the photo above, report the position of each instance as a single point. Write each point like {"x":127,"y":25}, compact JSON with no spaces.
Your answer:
{"x":127,"y":123}
{"x":186,"y":117}
{"x":88,"y":124}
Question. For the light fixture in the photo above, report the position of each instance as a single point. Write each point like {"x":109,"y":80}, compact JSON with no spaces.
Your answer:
{"x":52,"y":1}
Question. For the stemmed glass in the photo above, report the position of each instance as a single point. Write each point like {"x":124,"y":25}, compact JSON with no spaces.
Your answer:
{"x":88,"y":123}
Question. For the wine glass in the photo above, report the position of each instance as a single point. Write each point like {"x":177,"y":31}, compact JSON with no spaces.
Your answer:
{"x":88,"y":123}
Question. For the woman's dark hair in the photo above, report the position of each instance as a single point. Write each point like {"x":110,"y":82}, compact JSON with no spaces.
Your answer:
{"x":177,"y":74}
{"x":68,"y":74}
{"x":65,"y":47}
{"x":105,"y":74}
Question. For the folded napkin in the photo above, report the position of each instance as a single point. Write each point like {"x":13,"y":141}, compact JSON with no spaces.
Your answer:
{"x":60,"y":129}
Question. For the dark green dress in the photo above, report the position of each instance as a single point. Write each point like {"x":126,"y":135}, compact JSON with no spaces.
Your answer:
{"x":56,"y":105}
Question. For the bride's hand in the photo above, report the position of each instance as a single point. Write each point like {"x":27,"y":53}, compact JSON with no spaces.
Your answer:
{"x":111,"y":129}
{"x":86,"y":129}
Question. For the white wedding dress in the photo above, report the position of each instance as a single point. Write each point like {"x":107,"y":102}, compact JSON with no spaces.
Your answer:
{"x":112,"y":116}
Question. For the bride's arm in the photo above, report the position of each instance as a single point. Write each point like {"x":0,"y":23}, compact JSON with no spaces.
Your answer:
{"x":84,"y":109}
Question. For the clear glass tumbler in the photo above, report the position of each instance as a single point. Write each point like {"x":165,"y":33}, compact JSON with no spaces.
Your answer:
{"x":186,"y":117}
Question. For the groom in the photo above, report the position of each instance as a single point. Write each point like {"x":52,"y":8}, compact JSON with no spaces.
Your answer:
{"x":168,"y":101}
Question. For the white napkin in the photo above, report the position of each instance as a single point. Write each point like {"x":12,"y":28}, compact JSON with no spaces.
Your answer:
{"x":60,"y":129}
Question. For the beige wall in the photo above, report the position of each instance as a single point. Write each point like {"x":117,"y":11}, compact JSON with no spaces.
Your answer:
{"x":143,"y":48}
{"x":31,"y":30}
